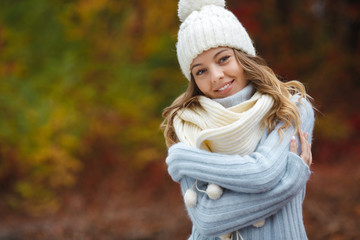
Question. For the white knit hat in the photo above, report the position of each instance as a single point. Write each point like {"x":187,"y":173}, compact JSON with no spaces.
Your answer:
{"x":207,"y":24}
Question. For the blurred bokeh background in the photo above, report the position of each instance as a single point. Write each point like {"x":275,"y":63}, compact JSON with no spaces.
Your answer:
{"x":82,"y":87}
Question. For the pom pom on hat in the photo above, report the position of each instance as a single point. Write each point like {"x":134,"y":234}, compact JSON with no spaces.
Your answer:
{"x":186,"y":7}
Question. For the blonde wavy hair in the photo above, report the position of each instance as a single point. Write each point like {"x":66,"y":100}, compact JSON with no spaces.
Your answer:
{"x":264,"y":80}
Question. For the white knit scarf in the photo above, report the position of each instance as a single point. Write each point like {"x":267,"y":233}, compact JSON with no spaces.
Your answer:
{"x":234,"y":130}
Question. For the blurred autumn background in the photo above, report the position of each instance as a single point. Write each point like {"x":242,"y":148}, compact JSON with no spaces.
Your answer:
{"x":82,"y":87}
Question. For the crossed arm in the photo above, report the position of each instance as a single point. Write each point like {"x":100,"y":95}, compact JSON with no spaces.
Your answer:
{"x":257,"y":172}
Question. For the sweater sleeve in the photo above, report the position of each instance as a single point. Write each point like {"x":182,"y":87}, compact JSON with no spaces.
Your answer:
{"x":236,"y":210}
{"x":253,"y":173}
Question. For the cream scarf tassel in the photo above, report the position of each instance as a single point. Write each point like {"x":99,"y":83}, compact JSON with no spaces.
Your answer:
{"x":234,"y":130}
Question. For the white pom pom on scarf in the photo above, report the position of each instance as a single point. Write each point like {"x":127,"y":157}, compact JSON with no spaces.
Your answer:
{"x":190,"y":198}
{"x":186,"y":7}
{"x":214,"y":191}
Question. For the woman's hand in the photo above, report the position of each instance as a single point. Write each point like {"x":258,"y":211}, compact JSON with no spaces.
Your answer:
{"x":305,"y":154}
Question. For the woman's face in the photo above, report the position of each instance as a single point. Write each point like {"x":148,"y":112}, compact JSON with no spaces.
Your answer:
{"x":217,"y":73}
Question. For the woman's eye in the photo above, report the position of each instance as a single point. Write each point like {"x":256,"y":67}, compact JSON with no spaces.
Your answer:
{"x":223,"y":59}
{"x":199,"y":72}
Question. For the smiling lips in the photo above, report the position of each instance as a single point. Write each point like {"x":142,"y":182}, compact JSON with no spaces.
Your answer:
{"x":224,"y":87}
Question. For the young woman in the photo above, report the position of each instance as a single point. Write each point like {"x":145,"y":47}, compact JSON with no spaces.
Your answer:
{"x":234,"y":127}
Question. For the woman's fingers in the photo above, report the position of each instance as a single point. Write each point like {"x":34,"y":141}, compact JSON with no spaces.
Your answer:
{"x":309,"y":149}
{"x":293,"y":145}
{"x":305,"y":147}
{"x":306,"y":154}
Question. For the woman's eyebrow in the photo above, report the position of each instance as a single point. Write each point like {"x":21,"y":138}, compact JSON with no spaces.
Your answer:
{"x":195,"y":66}
{"x":219,"y":52}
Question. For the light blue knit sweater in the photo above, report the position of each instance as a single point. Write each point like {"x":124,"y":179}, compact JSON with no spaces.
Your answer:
{"x":267,"y":184}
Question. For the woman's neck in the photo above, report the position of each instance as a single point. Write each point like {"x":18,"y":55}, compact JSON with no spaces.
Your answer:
{"x":237,"y":98}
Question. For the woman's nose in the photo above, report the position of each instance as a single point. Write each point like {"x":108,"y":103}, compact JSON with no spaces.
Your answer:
{"x":217,"y":73}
